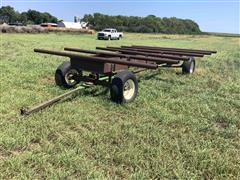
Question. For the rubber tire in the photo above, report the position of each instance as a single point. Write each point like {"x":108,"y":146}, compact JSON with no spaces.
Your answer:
{"x":116,"y":90}
{"x":60,"y":75}
{"x":186,"y":66}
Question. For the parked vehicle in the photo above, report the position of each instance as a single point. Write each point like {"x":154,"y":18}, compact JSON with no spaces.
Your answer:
{"x":109,"y":34}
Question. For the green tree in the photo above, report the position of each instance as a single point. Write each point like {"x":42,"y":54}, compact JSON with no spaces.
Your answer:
{"x":23,"y":18}
{"x":149,"y":24}
{"x":8,"y":14}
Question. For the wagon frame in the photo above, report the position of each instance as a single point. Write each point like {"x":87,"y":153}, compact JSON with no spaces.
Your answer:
{"x":109,"y":66}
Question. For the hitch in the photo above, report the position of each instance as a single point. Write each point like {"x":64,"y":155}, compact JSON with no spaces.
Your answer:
{"x":38,"y":107}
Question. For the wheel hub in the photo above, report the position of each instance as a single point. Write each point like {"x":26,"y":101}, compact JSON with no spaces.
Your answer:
{"x":191,"y":67}
{"x":128,"y":89}
{"x":70,"y":77}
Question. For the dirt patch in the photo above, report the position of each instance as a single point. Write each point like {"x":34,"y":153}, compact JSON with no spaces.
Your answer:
{"x":47,"y":80}
{"x":201,"y":71}
{"x":238,"y":125}
{"x":21,"y":150}
{"x":4,"y":153}
{"x":221,"y":124}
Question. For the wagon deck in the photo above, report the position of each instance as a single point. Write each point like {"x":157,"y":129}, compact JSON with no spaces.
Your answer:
{"x":111,"y":59}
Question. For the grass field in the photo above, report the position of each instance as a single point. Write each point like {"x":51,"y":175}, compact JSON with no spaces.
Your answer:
{"x":179,"y":126}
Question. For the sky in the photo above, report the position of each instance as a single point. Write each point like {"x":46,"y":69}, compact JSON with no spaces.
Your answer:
{"x":211,"y":15}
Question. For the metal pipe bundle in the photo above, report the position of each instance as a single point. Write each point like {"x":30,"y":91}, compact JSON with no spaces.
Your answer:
{"x":124,"y":51}
{"x":163,"y":52}
{"x":98,"y":59}
{"x":207,"y":52}
{"x":129,"y":57}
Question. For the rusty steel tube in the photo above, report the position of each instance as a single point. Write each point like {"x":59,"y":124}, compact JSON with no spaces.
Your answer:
{"x":144,"y":53}
{"x":98,"y":59}
{"x":38,"y":107}
{"x":161,"y":60}
{"x":174,"y":49}
{"x":169,"y":50}
{"x":164,"y":52}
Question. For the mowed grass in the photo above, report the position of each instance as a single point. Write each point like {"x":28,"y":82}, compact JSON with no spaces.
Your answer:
{"x":179,"y":126}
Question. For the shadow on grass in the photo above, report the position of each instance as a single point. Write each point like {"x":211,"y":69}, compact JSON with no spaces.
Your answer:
{"x":154,"y":76}
{"x":89,"y":92}
{"x":96,"y":91}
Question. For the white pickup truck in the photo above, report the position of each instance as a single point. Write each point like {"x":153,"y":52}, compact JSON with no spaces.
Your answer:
{"x":109,"y":34}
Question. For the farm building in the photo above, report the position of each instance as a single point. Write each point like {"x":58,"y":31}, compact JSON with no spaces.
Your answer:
{"x":77,"y":24}
{"x":49,"y":25}
{"x":73,"y":25}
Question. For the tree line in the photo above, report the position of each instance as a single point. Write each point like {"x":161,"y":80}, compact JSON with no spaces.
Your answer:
{"x":148,"y":24}
{"x":9,"y":15}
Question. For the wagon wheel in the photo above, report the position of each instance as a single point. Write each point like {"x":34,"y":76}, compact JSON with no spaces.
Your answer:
{"x":124,"y":87}
{"x":188,"y":67}
{"x":66,"y":76}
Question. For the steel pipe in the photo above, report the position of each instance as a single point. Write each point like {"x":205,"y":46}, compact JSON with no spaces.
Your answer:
{"x":174,"y":49}
{"x":98,"y":59}
{"x":160,"y":60}
{"x":169,"y":50}
{"x":143,"y":53}
{"x":164,"y":52}
{"x":38,"y":107}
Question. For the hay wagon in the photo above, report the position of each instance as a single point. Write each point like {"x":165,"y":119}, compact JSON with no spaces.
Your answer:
{"x":110,"y":67}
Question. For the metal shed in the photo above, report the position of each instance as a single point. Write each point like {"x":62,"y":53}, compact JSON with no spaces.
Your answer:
{"x":71,"y":25}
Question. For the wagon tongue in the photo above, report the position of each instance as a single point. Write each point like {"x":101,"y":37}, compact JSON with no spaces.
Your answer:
{"x":38,"y":107}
